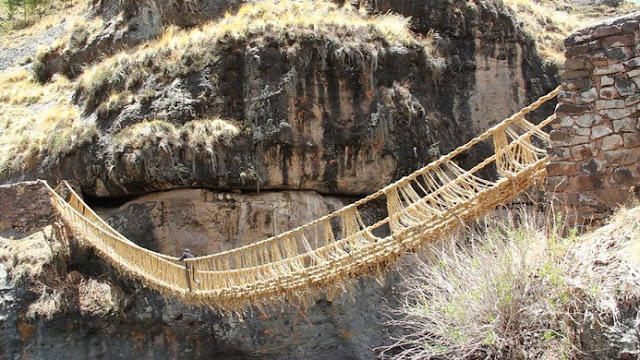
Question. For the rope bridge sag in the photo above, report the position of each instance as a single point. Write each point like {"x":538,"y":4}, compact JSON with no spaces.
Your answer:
{"x":421,"y":207}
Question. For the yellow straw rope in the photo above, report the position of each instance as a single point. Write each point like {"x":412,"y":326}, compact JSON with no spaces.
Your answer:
{"x":421,"y":207}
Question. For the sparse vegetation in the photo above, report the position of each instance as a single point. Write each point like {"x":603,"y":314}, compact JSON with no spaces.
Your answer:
{"x":551,"y":21}
{"x":37,"y":120}
{"x":204,"y":133}
{"x":16,"y":25}
{"x":25,"y":259}
{"x":179,"y":52}
{"x":519,"y":289}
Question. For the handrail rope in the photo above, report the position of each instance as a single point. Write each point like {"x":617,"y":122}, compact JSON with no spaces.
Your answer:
{"x":312,"y":253}
{"x":362,"y":237}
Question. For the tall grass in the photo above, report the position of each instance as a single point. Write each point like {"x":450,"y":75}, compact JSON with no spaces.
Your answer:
{"x":515,"y":288}
{"x":202,"y":133}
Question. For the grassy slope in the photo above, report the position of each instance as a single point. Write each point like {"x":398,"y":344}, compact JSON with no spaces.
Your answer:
{"x":551,"y":21}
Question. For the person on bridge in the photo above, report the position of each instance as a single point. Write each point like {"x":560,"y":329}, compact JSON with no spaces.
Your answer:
{"x":186,"y":254}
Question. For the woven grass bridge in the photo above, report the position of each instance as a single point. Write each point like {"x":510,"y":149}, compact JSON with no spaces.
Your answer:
{"x":421,"y":207}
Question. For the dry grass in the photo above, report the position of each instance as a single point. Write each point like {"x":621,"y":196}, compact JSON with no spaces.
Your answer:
{"x":180,"y":52}
{"x":550,"y":22}
{"x":518,"y":290}
{"x":204,"y":133}
{"x":16,"y":32}
{"x":31,"y":261}
{"x":25,"y":259}
{"x":49,"y":303}
{"x":37,"y":120}
{"x":97,"y":298}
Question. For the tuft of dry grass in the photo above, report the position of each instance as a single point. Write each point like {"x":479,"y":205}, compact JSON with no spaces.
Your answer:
{"x":26,"y":259}
{"x":97,"y":298}
{"x":204,"y":133}
{"x":517,"y":289}
{"x":49,"y":303}
{"x":38,"y":120}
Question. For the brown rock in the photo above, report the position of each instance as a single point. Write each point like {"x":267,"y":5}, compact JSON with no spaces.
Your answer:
{"x":562,"y":168}
{"x":612,"y":197}
{"x":624,"y":177}
{"x":581,"y":152}
{"x":575,"y":74}
{"x":560,"y":136}
{"x":571,"y":109}
{"x":620,"y":40}
{"x":631,"y":141}
{"x":588,"y":182}
{"x":556,"y":183}
{"x":608,"y":92}
{"x":612,"y":142}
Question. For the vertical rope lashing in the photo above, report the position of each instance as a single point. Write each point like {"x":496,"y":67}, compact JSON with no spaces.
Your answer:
{"x":394,"y":207}
{"x":420,"y":206}
{"x":499,"y":144}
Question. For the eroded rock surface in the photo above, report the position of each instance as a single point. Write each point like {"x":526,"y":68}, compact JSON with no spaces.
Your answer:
{"x":334,"y":115}
{"x":208,"y":222}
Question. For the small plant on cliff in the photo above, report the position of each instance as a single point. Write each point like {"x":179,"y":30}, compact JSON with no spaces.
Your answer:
{"x":518,"y":289}
{"x":201,"y":133}
{"x":97,"y":298}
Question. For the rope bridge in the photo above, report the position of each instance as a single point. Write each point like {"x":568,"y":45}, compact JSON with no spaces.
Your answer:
{"x":420,"y":207}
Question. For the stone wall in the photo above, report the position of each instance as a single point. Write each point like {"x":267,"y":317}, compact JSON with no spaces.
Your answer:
{"x":24,"y":207}
{"x":595,"y":141}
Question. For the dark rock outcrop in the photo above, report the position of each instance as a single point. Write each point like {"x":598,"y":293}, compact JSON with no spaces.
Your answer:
{"x":315,"y":114}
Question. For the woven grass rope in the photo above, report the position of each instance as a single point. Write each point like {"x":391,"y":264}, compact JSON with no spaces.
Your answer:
{"x":329,"y":251}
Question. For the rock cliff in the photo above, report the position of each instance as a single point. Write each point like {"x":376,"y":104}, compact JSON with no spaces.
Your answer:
{"x":211,"y":137}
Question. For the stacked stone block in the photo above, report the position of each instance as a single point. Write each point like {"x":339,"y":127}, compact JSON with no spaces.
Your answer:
{"x":595,"y":141}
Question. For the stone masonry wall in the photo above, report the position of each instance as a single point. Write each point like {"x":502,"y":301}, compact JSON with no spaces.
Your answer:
{"x":24,"y":207}
{"x":595,"y":141}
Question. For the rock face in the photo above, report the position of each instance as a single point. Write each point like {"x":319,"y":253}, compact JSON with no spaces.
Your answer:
{"x":315,"y":114}
{"x":208,"y":222}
